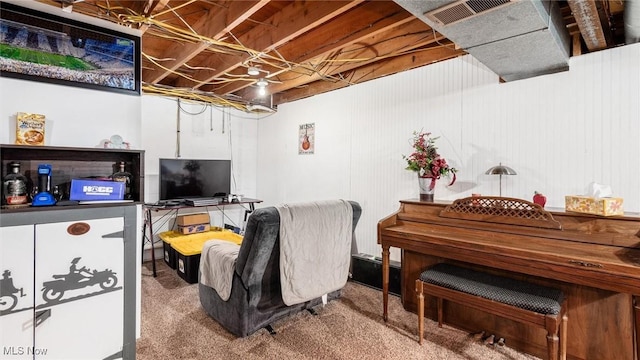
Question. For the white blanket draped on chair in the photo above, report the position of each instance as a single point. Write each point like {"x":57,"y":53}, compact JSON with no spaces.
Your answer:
{"x":217,"y":263}
{"x":315,"y":248}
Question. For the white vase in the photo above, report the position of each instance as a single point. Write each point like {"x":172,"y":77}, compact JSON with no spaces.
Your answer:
{"x":427,"y":188}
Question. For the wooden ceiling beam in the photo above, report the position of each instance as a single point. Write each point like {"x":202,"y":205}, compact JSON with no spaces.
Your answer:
{"x":589,"y":22}
{"x":372,"y":71}
{"x":317,"y":43}
{"x":408,"y":37}
{"x":306,"y":47}
{"x":368,"y":19}
{"x":137,"y":7}
{"x":212,"y":25}
{"x":151,"y":7}
{"x":287,"y":24}
{"x":293,"y":21}
{"x":100,"y":8}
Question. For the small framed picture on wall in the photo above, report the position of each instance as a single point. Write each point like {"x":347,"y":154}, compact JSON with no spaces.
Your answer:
{"x":306,"y":139}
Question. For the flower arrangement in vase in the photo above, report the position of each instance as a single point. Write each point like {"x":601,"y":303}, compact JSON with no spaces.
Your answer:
{"x":427,"y":162}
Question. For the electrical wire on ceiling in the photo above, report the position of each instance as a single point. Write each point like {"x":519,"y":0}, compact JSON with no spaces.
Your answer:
{"x":278,"y":61}
{"x":320,"y":69}
{"x":190,"y":94}
{"x":202,"y":98}
{"x":204,"y":107}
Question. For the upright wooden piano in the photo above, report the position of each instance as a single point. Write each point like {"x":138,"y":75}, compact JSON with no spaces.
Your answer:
{"x":595,"y":260}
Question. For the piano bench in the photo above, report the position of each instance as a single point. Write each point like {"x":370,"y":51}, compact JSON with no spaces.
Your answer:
{"x":501,"y":296}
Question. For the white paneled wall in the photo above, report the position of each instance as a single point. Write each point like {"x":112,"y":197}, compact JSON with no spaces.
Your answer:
{"x":74,"y":116}
{"x":559,"y":132}
{"x":199,"y":132}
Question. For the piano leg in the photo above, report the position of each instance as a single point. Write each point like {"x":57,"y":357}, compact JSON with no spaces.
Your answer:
{"x":636,"y":311}
{"x":385,"y":282}
{"x":563,"y":336}
{"x":420,"y":292}
{"x":552,"y":346}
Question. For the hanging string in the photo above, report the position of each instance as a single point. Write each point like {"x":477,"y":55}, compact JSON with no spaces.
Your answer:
{"x":210,"y":117}
{"x":233,"y":174}
{"x":178,"y":130}
{"x":225,"y":111}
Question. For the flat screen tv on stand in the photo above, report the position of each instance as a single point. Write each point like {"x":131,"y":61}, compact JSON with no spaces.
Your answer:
{"x":182,"y":179}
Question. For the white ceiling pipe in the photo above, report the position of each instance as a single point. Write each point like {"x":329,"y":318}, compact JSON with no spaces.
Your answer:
{"x":632,"y":21}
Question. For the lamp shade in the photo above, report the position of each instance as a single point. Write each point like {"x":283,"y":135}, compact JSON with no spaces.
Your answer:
{"x":262,"y":82}
{"x":501,"y":170}
{"x":253,"y":71}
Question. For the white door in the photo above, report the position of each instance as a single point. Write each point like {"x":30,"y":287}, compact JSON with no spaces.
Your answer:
{"x":16,"y":292}
{"x":79,"y":287}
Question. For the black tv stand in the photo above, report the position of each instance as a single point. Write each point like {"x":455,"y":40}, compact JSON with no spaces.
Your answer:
{"x":170,"y":203}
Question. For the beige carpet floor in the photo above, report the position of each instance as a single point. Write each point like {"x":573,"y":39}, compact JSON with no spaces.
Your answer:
{"x":174,"y":326}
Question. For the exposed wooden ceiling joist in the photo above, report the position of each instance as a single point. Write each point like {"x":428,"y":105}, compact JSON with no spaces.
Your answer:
{"x":587,"y":14}
{"x":312,"y":47}
{"x":374,"y":71}
{"x":215,"y":26}
{"x":302,"y":48}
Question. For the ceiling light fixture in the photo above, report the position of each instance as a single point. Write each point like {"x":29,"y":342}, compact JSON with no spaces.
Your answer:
{"x":253,"y":71}
{"x":262,"y":86}
{"x":260,"y":108}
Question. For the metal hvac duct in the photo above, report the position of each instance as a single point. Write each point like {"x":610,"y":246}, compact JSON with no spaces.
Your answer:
{"x":632,"y":21}
{"x":516,"y":39}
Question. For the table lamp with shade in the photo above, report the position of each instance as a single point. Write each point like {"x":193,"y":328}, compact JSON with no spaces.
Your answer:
{"x":501,"y":170}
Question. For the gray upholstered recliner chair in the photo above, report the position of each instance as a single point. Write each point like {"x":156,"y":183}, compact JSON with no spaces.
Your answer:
{"x":255,"y":300}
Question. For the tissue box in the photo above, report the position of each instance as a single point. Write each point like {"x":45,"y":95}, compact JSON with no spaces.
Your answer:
{"x":590,"y":205}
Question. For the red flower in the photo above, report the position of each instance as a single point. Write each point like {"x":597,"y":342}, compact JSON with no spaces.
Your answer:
{"x":425,"y":159}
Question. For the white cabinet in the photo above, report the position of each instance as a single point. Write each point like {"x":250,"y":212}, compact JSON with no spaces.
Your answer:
{"x":96,"y":317}
{"x":74,"y":274}
{"x":16,"y":291}
{"x":85,"y":318}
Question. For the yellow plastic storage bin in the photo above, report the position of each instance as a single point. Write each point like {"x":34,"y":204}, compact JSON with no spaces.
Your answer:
{"x":167,"y":238}
{"x":187,"y":250}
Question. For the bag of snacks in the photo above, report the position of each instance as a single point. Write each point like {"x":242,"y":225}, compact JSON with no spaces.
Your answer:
{"x":30,"y":129}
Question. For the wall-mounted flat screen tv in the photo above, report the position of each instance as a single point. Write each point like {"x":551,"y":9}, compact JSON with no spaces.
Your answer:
{"x":192,"y":178}
{"x":43,"y":47}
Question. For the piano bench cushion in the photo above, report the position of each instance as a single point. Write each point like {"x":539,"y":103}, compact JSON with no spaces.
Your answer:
{"x":521,"y":294}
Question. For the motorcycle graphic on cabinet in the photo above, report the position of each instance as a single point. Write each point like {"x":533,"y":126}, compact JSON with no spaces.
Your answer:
{"x":95,"y":281}
{"x":77,"y":278}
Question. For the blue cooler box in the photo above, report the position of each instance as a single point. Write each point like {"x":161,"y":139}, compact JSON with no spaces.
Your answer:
{"x":88,"y":190}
